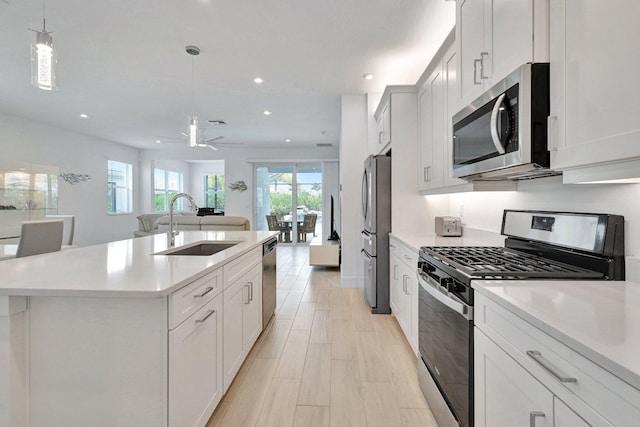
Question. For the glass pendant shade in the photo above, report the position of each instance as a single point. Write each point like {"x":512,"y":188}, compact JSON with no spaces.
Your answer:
{"x":43,"y":61}
{"x":193,"y":131}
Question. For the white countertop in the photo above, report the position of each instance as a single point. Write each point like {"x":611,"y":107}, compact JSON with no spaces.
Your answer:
{"x":598,"y":319}
{"x":125,"y":268}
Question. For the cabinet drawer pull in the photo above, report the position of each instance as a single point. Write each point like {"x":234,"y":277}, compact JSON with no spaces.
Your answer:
{"x":248,"y":293}
{"x":537,"y":357}
{"x":475,"y":71}
{"x":407,"y":257}
{"x":209,"y":313}
{"x":532,"y":417}
{"x":482,"y":55}
{"x":206,"y":291}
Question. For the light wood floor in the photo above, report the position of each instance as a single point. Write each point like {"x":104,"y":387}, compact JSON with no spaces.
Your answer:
{"x":324,"y":360}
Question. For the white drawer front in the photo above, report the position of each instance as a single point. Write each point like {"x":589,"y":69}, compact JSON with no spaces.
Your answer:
{"x":236,"y":268}
{"x":187,"y":300}
{"x":405,"y":253}
{"x":567,"y":373}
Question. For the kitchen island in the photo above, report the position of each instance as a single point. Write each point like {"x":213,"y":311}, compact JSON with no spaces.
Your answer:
{"x":123,"y":334}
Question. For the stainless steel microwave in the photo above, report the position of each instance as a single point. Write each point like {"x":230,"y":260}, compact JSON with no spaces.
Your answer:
{"x":503,"y":133}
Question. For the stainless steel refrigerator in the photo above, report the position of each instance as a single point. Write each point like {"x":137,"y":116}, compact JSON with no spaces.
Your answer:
{"x":376,"y":212}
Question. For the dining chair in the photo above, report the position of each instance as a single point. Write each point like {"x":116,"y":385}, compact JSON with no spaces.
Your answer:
{"x":274,"y":225}
{"x":67,"y":229}
{"x":308,"y":226}
{"x":40,"y":237}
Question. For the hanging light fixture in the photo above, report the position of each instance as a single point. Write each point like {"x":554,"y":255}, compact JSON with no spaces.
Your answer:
{"x":43,"y":59}
{"x":193,"y":120}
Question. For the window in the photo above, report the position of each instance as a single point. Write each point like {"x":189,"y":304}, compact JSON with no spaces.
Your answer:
{"x":119,"y":187}
{"x":166,"y":185}
{"x":214,"y":191}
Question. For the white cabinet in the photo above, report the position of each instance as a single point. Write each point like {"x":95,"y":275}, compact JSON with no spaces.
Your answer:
{"x":195,"y":366}
{"x":383,"y":126}
{"x":391,"y":116}
{"x":505,"y":393}
{"x":242,"y":320}
{"x":594,"y":90}
{"x":404,"y":289}
{"x":494,"y":37}
{"x":437,"y":103}
{"x":520,"y":373}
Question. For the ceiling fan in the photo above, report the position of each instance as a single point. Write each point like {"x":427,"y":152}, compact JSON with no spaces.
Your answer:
{"x":202,"y":140}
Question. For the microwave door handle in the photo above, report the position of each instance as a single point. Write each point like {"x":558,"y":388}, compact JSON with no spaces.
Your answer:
{"x":495,"y":117}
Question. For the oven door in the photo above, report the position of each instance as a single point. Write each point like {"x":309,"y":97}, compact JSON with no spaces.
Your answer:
{"x":445,"y":341}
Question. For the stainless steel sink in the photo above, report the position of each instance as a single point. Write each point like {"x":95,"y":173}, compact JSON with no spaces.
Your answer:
{"x":201,"y":249}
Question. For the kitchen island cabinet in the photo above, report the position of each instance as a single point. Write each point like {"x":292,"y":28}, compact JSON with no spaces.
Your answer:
{"x":117,"y":334}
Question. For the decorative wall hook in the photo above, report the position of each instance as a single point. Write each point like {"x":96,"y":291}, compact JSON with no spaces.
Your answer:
{"x":238,"y":185}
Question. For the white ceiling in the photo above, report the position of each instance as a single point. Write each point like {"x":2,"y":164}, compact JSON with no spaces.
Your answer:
{"x":124,"y":64}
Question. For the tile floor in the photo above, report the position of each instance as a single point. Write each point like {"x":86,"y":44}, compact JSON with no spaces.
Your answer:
{"x":324,"y":360}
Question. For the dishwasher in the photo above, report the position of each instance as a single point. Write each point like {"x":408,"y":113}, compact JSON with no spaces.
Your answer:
{"x":268,"y":280}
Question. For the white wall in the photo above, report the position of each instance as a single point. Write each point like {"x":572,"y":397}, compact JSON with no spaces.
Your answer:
{"x":484,"y":210}
{"x":25,"y":141}
{"x":353,"y":151}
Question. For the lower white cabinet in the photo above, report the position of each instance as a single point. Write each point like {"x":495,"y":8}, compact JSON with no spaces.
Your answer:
{"x":195,"y":366}
{"x":403,"y":292}
{"x":242,"y":320}
{"x":525,"y":377}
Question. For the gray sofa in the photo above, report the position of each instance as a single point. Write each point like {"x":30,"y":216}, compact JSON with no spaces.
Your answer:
{"x":158,"y":223}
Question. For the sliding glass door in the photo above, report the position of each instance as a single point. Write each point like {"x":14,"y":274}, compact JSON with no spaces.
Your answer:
{"x":293,"y":193}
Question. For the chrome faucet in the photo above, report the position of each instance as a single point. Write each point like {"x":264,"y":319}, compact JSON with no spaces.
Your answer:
{"x":172,"y":232}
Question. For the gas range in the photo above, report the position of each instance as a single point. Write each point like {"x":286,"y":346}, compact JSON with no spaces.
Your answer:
{"x":539,"y":245}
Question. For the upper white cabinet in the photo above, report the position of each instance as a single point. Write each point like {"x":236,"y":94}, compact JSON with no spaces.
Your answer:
{"x":594,"y":90}
{"x":437,"y":103}
{"x":392,"y":116}
{"x":494,"y":37}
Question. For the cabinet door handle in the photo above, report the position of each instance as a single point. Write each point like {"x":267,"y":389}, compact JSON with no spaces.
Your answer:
{"x":482,"y":55}
{"x":537,"y":357}
{"x":552,"y":142}
{"x":209,"y":313}
{"x":248,"y":293}
{"x":206,"y":291}
{"x":404,"y":283}
{"x":251,"y":288}
{"x":532,"y":417}
{"x":475,"y":71}
{"x":395,"y":272}
{"x":426,"y":174}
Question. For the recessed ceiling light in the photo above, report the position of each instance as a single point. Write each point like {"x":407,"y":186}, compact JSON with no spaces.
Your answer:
{"x":287,"y":140}
{"x":267,"y":112}
{"x":158,"y":141}
{"x":367,"y":76}
{"x":258,"y":80}
{"x":84,"y":116}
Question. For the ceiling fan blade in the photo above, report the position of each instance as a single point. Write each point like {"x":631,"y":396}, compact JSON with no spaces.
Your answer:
{"x":213,"y":139}
{"x":212,"y":147}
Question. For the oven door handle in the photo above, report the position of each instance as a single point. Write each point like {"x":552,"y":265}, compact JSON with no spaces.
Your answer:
{"x":447,"y":299}
{"x":495,"y":117}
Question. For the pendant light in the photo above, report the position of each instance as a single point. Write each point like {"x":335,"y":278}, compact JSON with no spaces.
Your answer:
{"x":43,"y":58}
{"x":193,"y":120}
